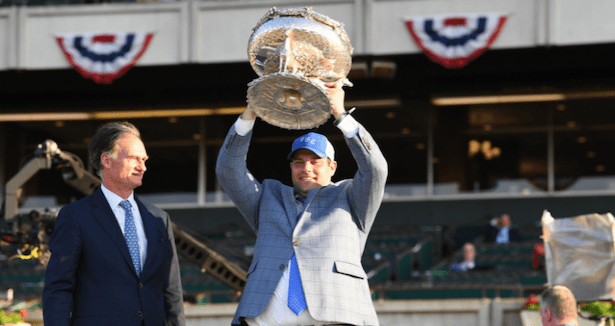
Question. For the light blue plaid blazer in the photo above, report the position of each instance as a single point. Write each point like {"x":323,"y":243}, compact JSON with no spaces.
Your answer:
{"x":328,"y":238}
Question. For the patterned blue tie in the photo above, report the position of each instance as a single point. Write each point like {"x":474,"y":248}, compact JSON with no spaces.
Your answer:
{"x":502,"y":236}
{"x":296,"y":299}
{"x":130,"y":233}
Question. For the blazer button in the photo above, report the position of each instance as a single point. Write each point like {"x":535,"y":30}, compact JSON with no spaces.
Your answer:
{"x":140,"y":285}
{"x":139,"y":314}
{"x":296,"y":243}
{"x":282,"y":266}
{"x":367,"y":144}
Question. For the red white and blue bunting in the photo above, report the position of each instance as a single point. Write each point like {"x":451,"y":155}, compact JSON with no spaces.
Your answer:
{"x":103,"y":57}
{"x":453,"y":41}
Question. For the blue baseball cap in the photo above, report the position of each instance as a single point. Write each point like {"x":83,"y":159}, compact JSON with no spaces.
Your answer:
{"x":316,"y":143}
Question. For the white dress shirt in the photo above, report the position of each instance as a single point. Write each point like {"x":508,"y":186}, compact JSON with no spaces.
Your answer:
{"x":120,"y":214}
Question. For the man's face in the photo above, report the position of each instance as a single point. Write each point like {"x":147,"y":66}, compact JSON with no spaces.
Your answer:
{"x":123,"y":170}
{"x":505,"y":220}
{"x":309,"y":171}
{"x":469,"y":252}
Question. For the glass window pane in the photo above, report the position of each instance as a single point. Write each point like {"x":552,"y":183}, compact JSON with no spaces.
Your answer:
{"x":402,"y":137}
{"x":495,"y":149}
{"x":584,"y":132}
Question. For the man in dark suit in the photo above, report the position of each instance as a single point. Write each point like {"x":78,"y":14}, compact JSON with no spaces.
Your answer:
{"x":469,"y":261}
{"x":500,"y":230}
{"x":113,"y":258}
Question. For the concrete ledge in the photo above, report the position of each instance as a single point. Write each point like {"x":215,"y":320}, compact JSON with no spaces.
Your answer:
{"x":458,"y":312}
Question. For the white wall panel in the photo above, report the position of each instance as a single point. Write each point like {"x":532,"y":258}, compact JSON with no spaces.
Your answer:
{"x":218,"y":31}
{"x":387,"y":32}
{"x":582,"y":22}
{"x":8,"y":37}
{"x":222,"y":30}
{"x":40,"y":26}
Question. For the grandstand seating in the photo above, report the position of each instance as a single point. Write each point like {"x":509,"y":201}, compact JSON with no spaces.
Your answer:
{"x":203,"y":288}
{"x":405,"y":263}
{"x":25,"y":277}
{"x":235,"y":245}
{"x":512,"y":270}
{"x":395,"y":253}
{"x":401,"y":263}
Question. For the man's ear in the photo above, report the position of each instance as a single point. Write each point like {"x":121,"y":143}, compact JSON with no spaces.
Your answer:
{"x":105,"y":160}
{"x":548,"y":314}
{"x":333,"y":167}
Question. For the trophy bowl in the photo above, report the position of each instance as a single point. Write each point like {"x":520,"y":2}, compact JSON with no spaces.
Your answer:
{"x":296,"y":52}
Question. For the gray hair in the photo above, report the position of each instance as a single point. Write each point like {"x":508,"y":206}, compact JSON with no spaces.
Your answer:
{"x":560,"y":300}
{"x":106,"y":138}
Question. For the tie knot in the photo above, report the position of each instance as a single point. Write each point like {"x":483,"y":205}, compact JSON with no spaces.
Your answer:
{"x":125,"y":205}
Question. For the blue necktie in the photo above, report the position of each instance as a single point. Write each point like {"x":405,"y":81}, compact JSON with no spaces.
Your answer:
{"x":130,"y":233}
{"x":502,"y":236}
{"x":296,"y":299}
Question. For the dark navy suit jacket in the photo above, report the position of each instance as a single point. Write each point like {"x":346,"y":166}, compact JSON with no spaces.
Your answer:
{"x":492,"y":234}
{"x":90,"y":279}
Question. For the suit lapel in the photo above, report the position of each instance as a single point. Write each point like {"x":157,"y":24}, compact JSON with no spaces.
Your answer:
{"x":150,"y":224}
{"x":291,"y":208}
{"x":306,"y":215}
{"x":105,"y":217}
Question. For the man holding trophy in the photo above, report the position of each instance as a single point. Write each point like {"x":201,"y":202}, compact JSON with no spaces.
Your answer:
{"x":306,"y":268}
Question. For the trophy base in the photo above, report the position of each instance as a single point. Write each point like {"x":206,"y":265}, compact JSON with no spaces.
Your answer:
{"x":289,"y":101}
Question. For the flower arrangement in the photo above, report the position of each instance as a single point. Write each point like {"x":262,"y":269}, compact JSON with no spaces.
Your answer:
{"x":532,"y":303}
{"x":13,"y":317}
{"x":596,"y":308}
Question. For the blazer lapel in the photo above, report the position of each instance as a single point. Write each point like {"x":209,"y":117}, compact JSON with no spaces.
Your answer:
{"x":150,"y":224}
{"x":105,"y":217}
{"x":306,"y":214}
{"x":291,"y":208}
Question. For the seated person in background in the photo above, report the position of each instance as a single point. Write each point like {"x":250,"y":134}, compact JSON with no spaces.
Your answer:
{"x":500,"y":230}
{"x":469,"y":262}
{"x":558,"y":307}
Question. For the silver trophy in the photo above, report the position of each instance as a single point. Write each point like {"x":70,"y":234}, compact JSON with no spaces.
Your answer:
{"x":295,"y":52}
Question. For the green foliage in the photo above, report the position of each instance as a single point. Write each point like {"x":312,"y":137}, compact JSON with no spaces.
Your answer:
{"x":13,"y":317}
{"x":599,"y":308}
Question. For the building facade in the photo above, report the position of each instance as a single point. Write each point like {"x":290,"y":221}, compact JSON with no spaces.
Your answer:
{"x":523,"y":126}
